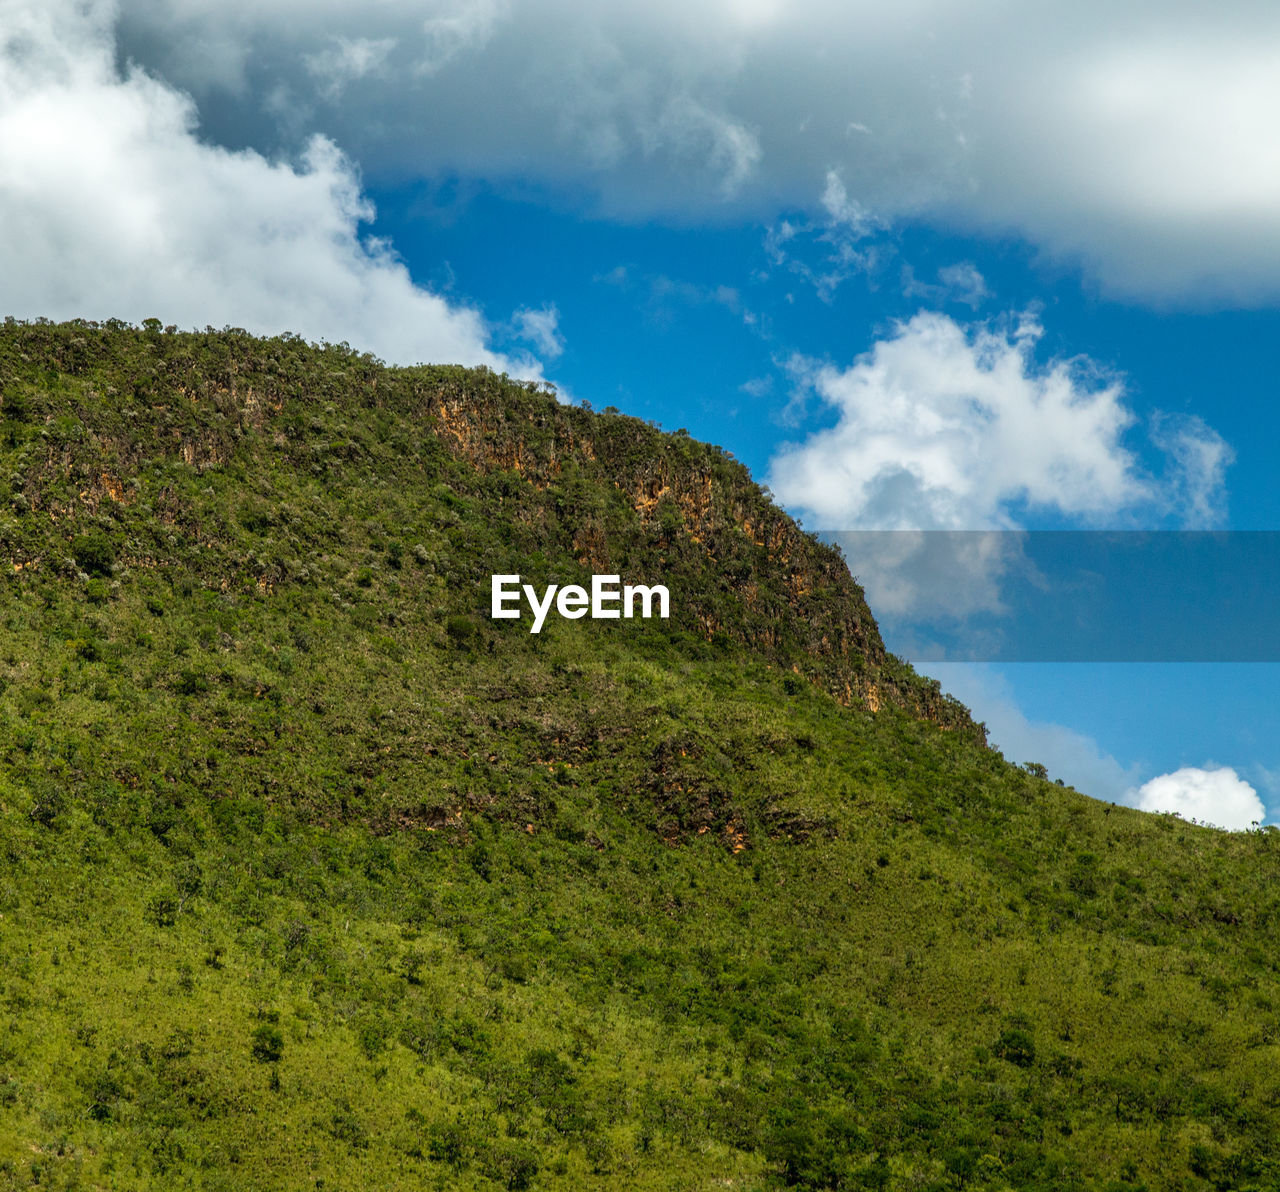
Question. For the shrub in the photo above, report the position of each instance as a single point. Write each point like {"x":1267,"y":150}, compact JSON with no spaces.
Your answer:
{"x":1016,"y":1046}
{"x":267,"y":1043}
{"x":460,"y":630}
{"x":192,"y":683}
{"x":346,"y":1127}
{"x":17,"y":407}
{"x":448,"y":1143}
{"x":105,"y":1091}
{"x":49,"y":804}
{"x":511,"y":1164}
{"x":161,"y":910}
{"x":94,"y":553}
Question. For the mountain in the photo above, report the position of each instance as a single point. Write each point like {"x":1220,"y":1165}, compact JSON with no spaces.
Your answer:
{"x":315,"y":875}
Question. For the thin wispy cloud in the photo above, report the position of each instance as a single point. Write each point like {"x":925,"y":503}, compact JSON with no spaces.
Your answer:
{"x":346,"y":60}
{"x":541,"y":329}
{"x":840,"y":243}
{"x":959,"y":284}
{"x":1073,"y":756}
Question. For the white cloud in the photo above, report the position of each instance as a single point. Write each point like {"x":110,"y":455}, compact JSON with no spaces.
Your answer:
{"x":1219,"y":797}
{"x":111,"y":205}
{"x":943,"y":426}
{"x":1198,"y":460}
{"x":1142,"y":146}
{"x":1216,"y":796}
{"x":839,"y":241}
{"x":541,"y":328}
{"x":959,"y":283}
{"x":843,"y":210}
{"x":964,"y":283}
{"x":692,"y":130}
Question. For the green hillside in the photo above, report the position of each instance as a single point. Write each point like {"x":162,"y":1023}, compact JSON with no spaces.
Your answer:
{"x":313,"y":876}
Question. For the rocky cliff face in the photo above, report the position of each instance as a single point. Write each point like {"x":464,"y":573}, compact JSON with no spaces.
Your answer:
{"x":100,"y":418}
{"x":755,"y":576}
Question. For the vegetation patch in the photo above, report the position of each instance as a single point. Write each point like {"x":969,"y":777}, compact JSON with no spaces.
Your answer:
{"x":312,"y":874}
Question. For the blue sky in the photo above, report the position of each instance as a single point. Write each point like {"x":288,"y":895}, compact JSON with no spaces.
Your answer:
{"x":950,"y":266}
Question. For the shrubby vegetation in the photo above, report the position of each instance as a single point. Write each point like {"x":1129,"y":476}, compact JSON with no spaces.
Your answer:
{"x":313,"y":876}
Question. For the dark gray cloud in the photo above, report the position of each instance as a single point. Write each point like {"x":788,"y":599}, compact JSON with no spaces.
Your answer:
{"x":1135,"y":138}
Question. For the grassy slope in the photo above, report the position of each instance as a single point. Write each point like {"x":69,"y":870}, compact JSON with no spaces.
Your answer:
{"x":309,"y":872}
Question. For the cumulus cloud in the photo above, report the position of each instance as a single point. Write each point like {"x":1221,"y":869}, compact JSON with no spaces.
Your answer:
{"x":112,"y":206}
{"x":1139,"y":144}
{"x":942,"y":426}
{"x":1219,"y":797}
{"x":946,"y":426}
